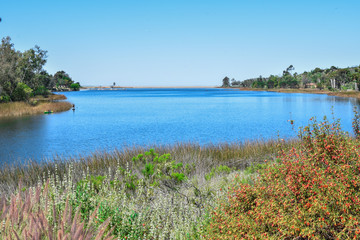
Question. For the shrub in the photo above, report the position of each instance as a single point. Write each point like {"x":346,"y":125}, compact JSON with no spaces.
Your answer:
{"x":75,"y":86}
{"x":22,"y":92}
{"x":41,"y":90}
{"x":356,"y":123}
{"x":4,"y":99}
{"x":313,"y":193}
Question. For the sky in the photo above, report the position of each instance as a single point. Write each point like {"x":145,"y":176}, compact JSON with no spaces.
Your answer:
{"x":184,"y":42}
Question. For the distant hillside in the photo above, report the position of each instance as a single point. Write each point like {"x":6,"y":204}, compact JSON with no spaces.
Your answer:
{"x":332,"y":78}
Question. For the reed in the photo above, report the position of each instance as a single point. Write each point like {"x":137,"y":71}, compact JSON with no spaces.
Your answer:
{"x":234,"y":155}
{"x":17,"y":109}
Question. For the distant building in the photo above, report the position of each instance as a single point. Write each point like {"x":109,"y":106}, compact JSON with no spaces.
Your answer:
{"x":310,"y":85}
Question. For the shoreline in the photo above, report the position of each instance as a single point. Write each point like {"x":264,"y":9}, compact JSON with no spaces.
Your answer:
{"x":36,"y":106}
{"x":349,"y":94}
{"x":147,"y":87}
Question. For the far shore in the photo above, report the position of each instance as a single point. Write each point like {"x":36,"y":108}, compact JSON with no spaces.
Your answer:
{"x":353,"y":94}
{"x":150,"y":87}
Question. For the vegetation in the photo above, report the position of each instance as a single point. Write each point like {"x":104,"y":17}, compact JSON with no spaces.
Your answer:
{"x":332,"y":78}
{"x":22,"y":75}
{"x":162,"y":194}
{"x":16,"y":109}
{"x":310,"y":192}
{"x":226,"y":82}
{"x":306,"y":189}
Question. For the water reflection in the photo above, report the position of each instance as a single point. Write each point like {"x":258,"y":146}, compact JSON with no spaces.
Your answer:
{"x":20,"y":136}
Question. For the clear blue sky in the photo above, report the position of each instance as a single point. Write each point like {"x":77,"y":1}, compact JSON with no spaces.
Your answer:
{"x":186,"y":42}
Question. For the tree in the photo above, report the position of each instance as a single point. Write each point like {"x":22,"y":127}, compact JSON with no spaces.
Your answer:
{"x":226,"y":82}
{"x":30,"y":64}
{"x":75,"y":86}
{"x":270,"y":83}
{"x":317,"y":70}
{"x":288,"y":70}
{"x":63,"y":79}
{"x":8,"y":63}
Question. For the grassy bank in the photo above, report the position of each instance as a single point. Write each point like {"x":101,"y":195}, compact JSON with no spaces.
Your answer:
{"x":37,"y":105}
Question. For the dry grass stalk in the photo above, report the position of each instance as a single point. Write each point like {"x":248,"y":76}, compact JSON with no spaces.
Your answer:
{"x":23,"y":218}
{"x":17,"y":109}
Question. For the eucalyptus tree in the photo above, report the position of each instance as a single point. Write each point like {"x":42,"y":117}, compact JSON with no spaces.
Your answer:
{"x":30,"y":65}
{"x":8,"y":64}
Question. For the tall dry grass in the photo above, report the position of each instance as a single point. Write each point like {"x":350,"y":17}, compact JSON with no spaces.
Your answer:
{"x":32,"y":214}
{"x":17,"y":109}
{"x":234,"y":155}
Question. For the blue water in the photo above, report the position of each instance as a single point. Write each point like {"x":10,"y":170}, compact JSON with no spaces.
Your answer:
{"x":105,"y":120}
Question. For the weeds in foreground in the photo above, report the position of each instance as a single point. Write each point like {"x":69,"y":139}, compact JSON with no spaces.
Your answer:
{"x":154,"y":198}
{"x":32,"y":214}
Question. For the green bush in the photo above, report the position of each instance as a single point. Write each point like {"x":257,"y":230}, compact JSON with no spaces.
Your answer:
{"x":4,"y":98}
{"x":41,"y":91}
{"x":75,"y":86}
{"x":22,"y":92}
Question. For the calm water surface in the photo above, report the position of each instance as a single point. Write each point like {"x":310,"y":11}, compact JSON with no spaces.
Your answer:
{"x":105,"y":120}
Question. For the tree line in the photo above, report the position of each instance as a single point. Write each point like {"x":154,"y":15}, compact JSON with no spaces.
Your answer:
{"x":332,"y":78}
{"x":22,"y":74}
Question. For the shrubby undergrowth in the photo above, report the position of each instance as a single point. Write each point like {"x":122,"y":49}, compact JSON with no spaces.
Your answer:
{"x":310,"y":192}
{"x":152,"y":197}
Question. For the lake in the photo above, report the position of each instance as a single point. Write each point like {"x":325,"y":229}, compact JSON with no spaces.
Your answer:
{"x":109,"y":119}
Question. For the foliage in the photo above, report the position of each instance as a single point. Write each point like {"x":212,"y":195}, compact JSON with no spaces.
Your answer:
{"x":312,"y":193}
{"x":332,"y":78}
{"x":62,"y":79}
{"x":20,"y":69}
{"x":75,"y":86}
{"x":161,"y":202}
{"x":226,"y":82}
{"x":41,"y":90}
{"x":177,"y":207}
{"x":22,"y":92}
{"x":217,"y":171}
{"x":356,"y":123}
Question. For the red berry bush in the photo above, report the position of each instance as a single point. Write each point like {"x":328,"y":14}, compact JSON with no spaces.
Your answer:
{"x":312,"y":192}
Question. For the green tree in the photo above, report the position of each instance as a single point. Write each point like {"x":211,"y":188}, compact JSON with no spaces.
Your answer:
{"x":8,"y":62}
{"x":270,"y":83}
{"x":30,"y":64}
{"x":61,"y":78}
{"x":226,"y":82}
{"x":75,"y":86}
